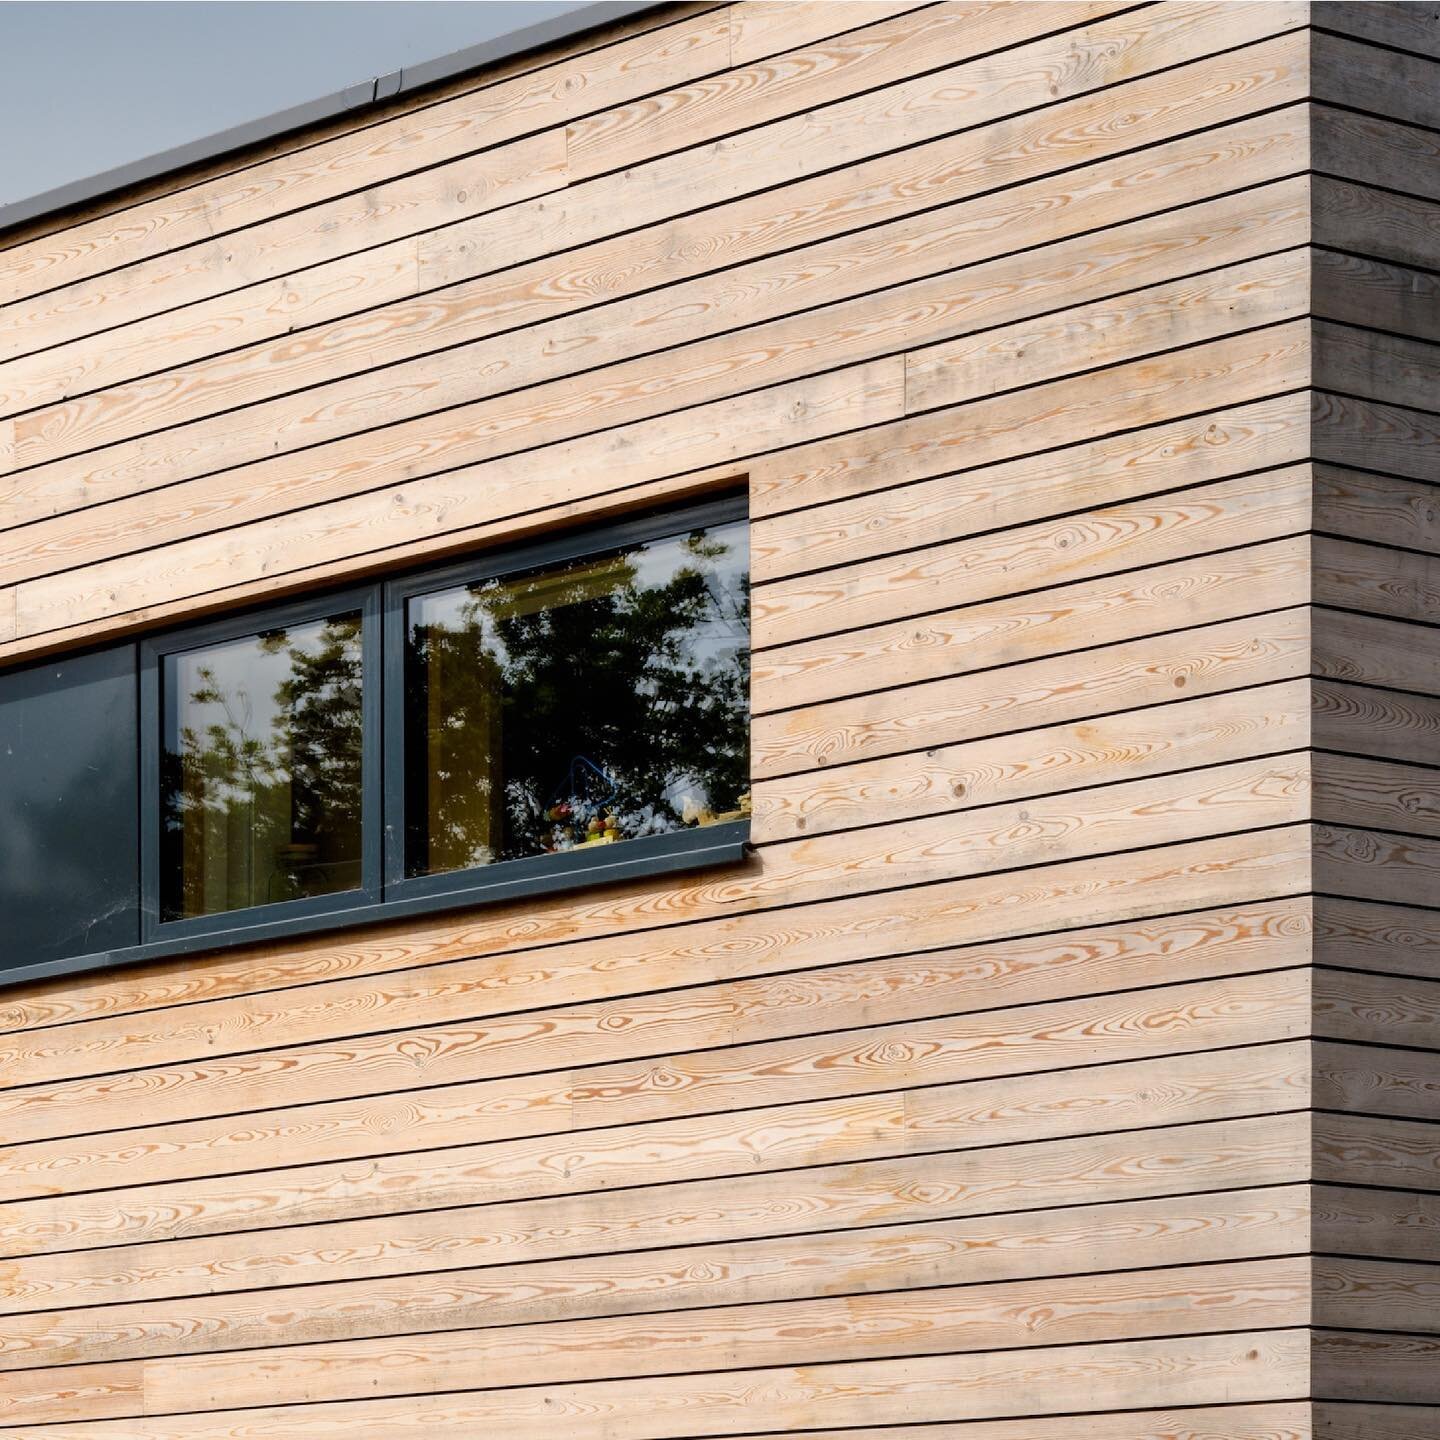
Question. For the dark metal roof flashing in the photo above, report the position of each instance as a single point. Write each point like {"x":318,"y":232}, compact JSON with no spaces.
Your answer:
{"x":377,"y":91}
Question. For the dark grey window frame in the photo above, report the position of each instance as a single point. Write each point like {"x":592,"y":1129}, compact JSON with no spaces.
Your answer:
{"x":386,"y":892}
{"x":514,"y":877}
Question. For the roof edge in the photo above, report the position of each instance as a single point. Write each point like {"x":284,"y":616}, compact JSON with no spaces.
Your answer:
{"x":363,"y":95}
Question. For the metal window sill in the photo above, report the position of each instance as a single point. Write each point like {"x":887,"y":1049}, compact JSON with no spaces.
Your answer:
{"x":715,"y":845}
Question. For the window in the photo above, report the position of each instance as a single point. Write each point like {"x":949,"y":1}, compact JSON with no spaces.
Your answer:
{"x":260,"y":772}
{"x":564,"y":706}
{"x":530,"y":720}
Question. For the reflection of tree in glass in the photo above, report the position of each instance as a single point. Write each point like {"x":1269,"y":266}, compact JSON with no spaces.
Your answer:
{"x":289,"y":779}
{"x":639,"y":663}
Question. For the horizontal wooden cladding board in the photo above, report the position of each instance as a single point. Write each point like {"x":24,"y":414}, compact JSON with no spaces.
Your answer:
{"x":1376,"y":1151}
{"x":1381,"y":794}
{"x":453,"y":1115}
{"x":1200,"y":308}
{"x":416,"y":138}
{"x":1341,"y":1420}
{"x":1377,"y":580}
{"x":1378,"y":1079}
{"x":1375,"y":650}
{"x":895,"y":1128}
{"x":1351,"y":145}
{"x":767,"y":27}
{"x":441,"y":507}
{"x":1393,"y":23}
{"x":534,"y":348}
{"x":1027,"y":627}
{"x":1381,"y":509}
{"x":1377,"y":79}
{"x":603,"y":949}
{"x":1369,"y":1294}
{"x":1378,"y":1010}
{"x":1396,"y":1370}
{"x":1374,"y":865}
{"x":1224,"y":1298}
{"x":1065,"y":482}
{"x":990,"y":1251}
{"x":786,"y":1070}
{"x":870,"y":191}
{"x":1363,"y":935}
{"x":894,"y":114}
{"x":1132,"y":535}
{"x":940,"y":1318}
{"x":1203,"y":730}
{"x":1389,"y":369}
{"x":1361,"y":290}
{"x":1367,"y":434}
{"x":1399,"y":229}
{"x":1380,"y":1224}
{"x":1231,"y":1368}
{"x":1281,"y":1421}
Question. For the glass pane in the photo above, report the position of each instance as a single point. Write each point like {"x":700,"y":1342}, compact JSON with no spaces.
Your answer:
{"x":589,"y":703}
{"x":261,"y":772}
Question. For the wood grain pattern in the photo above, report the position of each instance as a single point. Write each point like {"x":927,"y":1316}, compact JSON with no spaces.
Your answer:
{"x":1376,"y":373}
{"x":1243,"y":1366}
{"x":411,"y":136}
{"x":786,"y":1138}
{"x":553,"y":412}
{"x":1077,"y":1242}
{"x":870,"y":191}
{"x":1062,"y":1058}
{"x":535,"y":348}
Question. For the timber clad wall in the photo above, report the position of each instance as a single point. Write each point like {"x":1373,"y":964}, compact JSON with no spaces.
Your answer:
{"x":1064,"y":1061}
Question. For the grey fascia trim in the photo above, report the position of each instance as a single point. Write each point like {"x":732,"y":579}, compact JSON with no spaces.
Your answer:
{"x":377,"y":91}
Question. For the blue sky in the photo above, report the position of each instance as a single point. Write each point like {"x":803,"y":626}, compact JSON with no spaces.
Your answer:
{"x":88,"y":86}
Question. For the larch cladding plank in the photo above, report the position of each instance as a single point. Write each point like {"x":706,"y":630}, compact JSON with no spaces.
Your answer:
{"x":820,"y":1329}
{"x":1376,"y":410}
{"x":445,"y":198}
{"x":868,"y":191}
{"x":1078,"y":1242}
{"x":445,"y":506}
{"x":631,"y":1090}
{"x":203,"y":464}
{"x":1062,"y":1058}
{"x":534,"y":347}
{"x":413,"y":134}
{"x":1244,"y":1366}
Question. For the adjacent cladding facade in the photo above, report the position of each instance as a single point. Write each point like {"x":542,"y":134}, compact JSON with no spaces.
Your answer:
{"x":1063,"y":1061}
